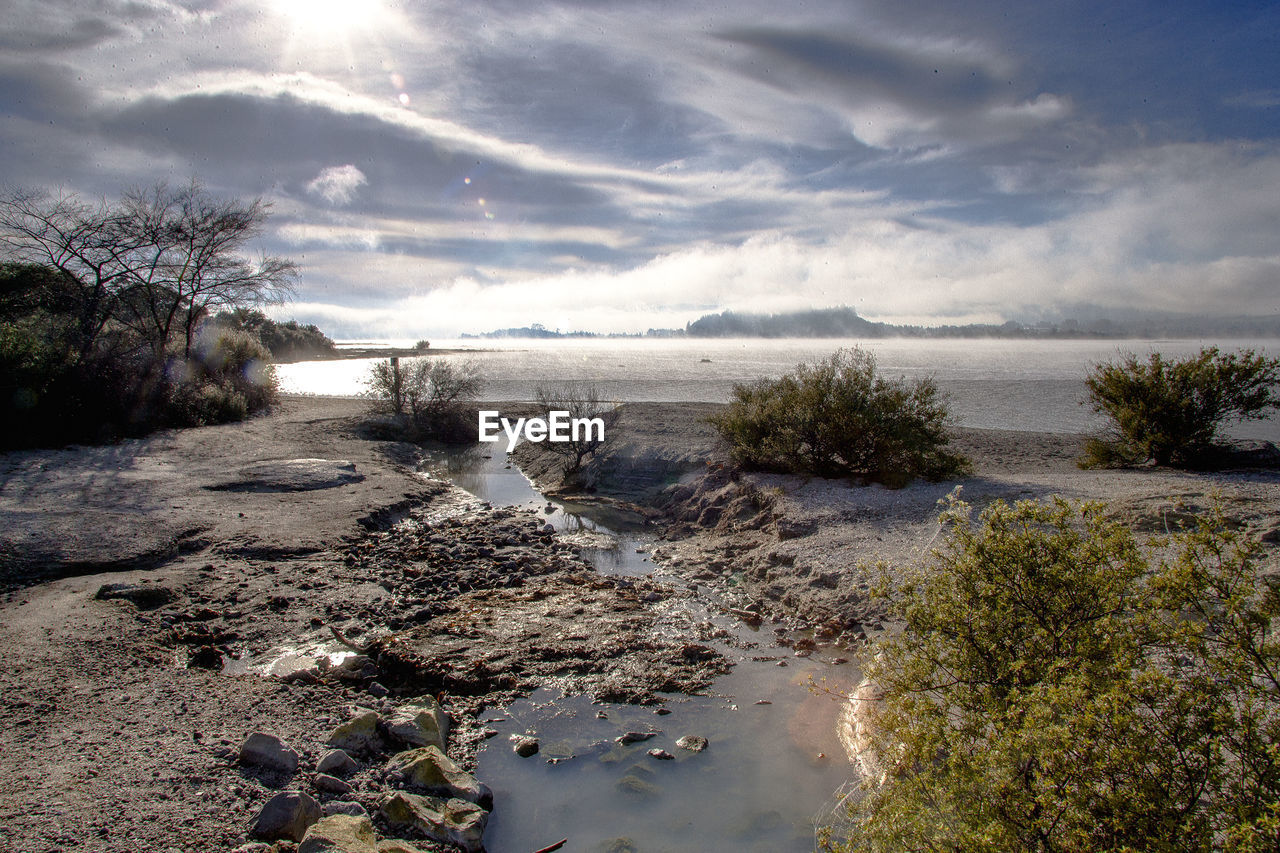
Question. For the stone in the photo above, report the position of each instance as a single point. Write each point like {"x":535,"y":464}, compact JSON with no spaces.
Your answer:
{"x":451,"y":821}
{"x":330,"y":784}
{"x":337,"y":762}
{"x":269,"y":752}
{"x":526,"y":746}
{"x":420,"y":723}
{"x":141,"y":597}
{"x":254,"y":847}
{"x":340,"y":834}
{"x":358,"y":734}
{"x":430,"y":769}
{"x":693,"y":743}
{"x":635,"y":737}
{"x":661,"y":754}
{"x":286,"y":815}
{"x":344,"y":807}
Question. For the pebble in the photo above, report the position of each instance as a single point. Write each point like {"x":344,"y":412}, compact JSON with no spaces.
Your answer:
{"x":661,"y":754}
{"x":268,"y":751}
{"x":526,"y":746}
{"x":635,"y":737}
{"x":336,"y":762}
{"x":331,"y":784}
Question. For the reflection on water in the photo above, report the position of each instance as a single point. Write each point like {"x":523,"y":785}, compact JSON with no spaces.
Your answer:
{"x":774,"y":756}
{"x":611,"y":541}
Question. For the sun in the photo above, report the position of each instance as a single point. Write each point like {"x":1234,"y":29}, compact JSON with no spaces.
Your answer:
{"x":332,"y":19}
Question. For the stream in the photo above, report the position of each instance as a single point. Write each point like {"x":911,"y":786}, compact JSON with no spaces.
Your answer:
{"x":773,"y":757}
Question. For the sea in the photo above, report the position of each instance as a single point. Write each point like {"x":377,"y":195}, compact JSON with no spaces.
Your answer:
{"x":1014,"y":384}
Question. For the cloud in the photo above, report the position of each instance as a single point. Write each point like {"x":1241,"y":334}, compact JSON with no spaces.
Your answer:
{"x":337,"y":184}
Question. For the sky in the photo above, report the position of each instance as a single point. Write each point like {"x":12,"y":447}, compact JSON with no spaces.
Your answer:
{"x":446,"y":167}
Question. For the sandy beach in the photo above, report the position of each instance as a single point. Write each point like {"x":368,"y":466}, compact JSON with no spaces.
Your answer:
{"x":134,"y":573}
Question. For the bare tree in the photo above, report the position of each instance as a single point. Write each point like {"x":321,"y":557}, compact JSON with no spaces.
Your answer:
{"x":87,"y":242}
{"x":583,"y":402}
{"x":157,"y":261}
{"x":194,"y":264}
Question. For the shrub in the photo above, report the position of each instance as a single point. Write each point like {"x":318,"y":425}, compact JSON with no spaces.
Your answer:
{"x":1051,"y":689}
{"x":580,"y":401}
{"x":837,"y":418}
{"x":1170,"y":410}
{"x":429,"y":393}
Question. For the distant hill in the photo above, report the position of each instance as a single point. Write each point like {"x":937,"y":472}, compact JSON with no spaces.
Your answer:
{"x":819,"y":323}
{"x":844,"y":322}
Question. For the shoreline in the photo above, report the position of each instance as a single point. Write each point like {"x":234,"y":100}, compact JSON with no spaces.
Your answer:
{"x":247,"y":538}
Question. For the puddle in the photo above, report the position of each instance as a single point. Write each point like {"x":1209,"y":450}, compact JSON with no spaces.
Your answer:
{"x":773,"y":759}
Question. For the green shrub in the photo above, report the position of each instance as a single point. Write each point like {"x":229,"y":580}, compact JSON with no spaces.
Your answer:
{"x":229,"y":378}
{"x":837,"y":418}
{"x":429,"y":393}
{"x":1170,"y":410}
{"x":1052,"y":689}
{"x":207,"y":402}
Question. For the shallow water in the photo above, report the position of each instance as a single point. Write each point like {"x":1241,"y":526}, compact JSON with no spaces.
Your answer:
{"x":773,"y":760}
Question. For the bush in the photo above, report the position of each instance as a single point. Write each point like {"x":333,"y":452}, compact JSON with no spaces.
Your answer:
{"x":429,"y":394}
{"x":580,"y":401}
{"x":1170,"y":410}
{"x":837,"y":418}
{"x":1053,"y":690}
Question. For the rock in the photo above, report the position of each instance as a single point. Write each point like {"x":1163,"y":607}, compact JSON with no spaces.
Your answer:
{"x":330,"y":784}
{"x":340,"y":834}
{"x":337,"y":762}
{"x":661,"y":754}
{"x":693,"y":743}
{"x":378,"y":691}
{"x":344,"y":807}
{"x":526,"y":746}
{"x":142,"y":597}
{"x":635,"y":737}
{"x":269,"y":752}
{"x":633,"y":785}
{"x":451,"y":821}
{"x":286,"y":815}
{"x":435,"y":772}
{"x":358,"y":734}
{"x":420,"y":723}
{"x":254,"y":847}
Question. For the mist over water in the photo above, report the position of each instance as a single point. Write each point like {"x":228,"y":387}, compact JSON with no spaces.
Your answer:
{"x":1033,"y":385}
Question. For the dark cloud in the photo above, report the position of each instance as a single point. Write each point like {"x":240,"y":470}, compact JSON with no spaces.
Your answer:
{"x":42,"y":91}
{"x":578,"y":98}
{"x":287,"y":141}
{"x":860,"y":70}
{"x":82,"y":32}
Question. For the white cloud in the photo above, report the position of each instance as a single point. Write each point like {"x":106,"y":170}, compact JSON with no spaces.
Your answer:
{"x":337,"y":184}
{"x":1113,"y":252}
